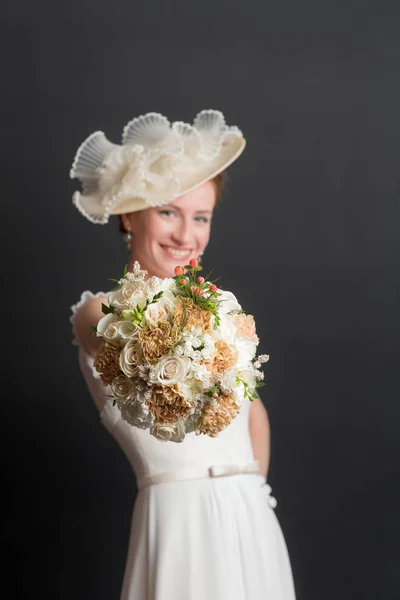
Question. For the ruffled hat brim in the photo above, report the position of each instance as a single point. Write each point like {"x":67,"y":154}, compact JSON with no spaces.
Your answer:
{"x":155,"y":164}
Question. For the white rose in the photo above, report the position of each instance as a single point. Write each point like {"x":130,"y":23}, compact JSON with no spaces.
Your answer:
{"x":130,"y":357}
{"x":126,"y":297}
{"x":228,"y":302}
{"x":127,"y":329}
{"x":158,"y":311}
{"x":226,"y":330}
{"x":105,"y":322}
{"x":122,"y":388}
{"x":169,"y":433}
{"x":171,"y":369}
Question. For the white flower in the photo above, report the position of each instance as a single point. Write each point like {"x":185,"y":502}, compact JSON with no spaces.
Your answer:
{"x":171,"y":369}
{"x":257,"y":364}
{"x":227,"y":380}
{"x":158,"y":311}
{"x":112,"y":334}
{"x":201,"y":373}
{"x":127,"y":329}
{"x":263,"y":358}
{"x":130,"y":357}
{"x":122,"y":388}
{"x":105,"y":322}
{"x":127,"y":297}
{"x":226,"y":330}
{"x":169,"y":433}
{"x":246,"y":351}
{"x":228,"y":302}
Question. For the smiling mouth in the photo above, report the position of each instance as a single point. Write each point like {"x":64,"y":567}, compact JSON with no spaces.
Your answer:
{"x":175,"y":253}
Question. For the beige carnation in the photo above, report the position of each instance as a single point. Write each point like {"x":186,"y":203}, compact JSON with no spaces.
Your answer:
{"x":168,"y":404}
{"x":217,"y":416}
{"x":224,"y":358}
{"x":157,"y":341}
{"x":188,"y":314}
{"x":106,"y":363}
{"x":247,"y":327}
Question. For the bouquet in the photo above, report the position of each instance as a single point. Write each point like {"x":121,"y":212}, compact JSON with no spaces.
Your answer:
{"x":178,"y":354}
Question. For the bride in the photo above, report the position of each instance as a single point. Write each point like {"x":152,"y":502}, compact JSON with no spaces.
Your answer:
{"x":197,"y":533}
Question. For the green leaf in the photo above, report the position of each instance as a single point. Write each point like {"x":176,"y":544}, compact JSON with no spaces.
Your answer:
{"x":125,"y":270}
{"x":112,"y":279}
{"x":107,"y":309}
{"x":93,"y":328}
{"x":260,"y":384}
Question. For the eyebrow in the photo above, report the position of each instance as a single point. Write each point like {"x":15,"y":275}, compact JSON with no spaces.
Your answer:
{"x":178,"y":208}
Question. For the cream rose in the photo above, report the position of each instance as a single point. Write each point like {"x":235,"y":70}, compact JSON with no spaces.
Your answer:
{"x":130,"y":357}
{"x":105,"y":322}
{"x":168,"y":433}
{"x":171,"y":369}
{"x":159,"y":311}
{"x":127,"y":297}
{"x":122,"y":388}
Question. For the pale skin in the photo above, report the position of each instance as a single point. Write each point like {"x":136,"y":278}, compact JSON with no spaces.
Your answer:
{"x":164,"y":237}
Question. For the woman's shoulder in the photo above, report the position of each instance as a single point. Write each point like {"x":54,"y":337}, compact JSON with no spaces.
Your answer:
{"x":84,"y":313}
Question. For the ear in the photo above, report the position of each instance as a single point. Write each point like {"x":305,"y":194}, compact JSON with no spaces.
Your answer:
{"x":126,"y":221}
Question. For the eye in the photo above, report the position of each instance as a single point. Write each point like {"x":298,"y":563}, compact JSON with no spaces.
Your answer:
{"x":166,"y":211}
{"x":202,"y":219}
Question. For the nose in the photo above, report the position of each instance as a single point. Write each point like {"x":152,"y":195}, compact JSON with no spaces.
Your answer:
{"x":183,"y":233}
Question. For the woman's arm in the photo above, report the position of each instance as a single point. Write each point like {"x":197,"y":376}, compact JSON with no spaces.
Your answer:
{"x":260,"y":434}
{"x":89,"y":314}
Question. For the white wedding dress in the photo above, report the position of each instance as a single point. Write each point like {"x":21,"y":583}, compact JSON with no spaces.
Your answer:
{"x":202,"y":528}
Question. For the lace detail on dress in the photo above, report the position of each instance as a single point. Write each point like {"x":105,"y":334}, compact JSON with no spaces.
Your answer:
{"x":85,"y":296}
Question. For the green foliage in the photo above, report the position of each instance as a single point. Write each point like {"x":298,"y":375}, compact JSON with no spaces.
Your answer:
{"x":107,"y":309}
{"x":136,"y":315}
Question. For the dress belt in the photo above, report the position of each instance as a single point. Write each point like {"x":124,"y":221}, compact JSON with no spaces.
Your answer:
{"x":183,"y":474}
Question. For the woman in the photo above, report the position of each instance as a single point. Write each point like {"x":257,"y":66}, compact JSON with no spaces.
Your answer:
{"x":203,"y":524}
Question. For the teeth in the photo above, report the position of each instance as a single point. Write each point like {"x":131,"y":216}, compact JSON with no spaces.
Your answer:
{"x":177,"y":253}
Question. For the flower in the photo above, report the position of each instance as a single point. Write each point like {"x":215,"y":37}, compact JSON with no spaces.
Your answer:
{"x":168,"y":404}
{"x":172,"y":369}
{"x":169,"y":433}
{"x":187,"y":315}
{"x":217,"y":415}
{"x":159,"y":311}
{"x":246,"y":326}
{"x":157,"y":341}
{"x":122,"y":388}
{"x":130,"y":357}
{"x":224,"y":358}
{"x":106,"y":362}
{"x":105,"y":322}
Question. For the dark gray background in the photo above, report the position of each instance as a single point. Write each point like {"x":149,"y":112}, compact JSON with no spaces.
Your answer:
{"x":307,"y":236}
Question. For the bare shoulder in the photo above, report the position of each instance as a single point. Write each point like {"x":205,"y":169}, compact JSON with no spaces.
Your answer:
{"x":88,"y":313}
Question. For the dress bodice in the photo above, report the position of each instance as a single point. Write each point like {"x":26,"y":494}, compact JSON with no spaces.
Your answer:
{"x":150,"y":456}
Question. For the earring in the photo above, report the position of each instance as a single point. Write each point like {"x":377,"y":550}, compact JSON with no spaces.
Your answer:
{"x":200,"y":255}
{"x":127,"y":237}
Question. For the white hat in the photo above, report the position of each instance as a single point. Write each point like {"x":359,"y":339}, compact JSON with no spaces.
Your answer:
{"x":157,"y":162}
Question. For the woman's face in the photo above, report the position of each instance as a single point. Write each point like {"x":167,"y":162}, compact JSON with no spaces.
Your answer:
{"x":166,"y":236}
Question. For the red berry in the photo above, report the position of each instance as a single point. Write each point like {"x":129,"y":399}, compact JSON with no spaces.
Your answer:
{"x":193,"y":262}
{"x":193,"y":289}
{"x":179,"y":270}
{"x":200,"y":280}
{"x":199,"y":292}
{"x":182,"y":281}
{"x":213,"y":288}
